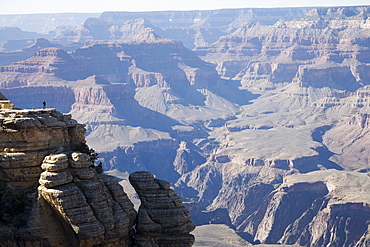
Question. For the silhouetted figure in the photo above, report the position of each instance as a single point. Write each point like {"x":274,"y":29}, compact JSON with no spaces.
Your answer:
{"x":44,"y":104}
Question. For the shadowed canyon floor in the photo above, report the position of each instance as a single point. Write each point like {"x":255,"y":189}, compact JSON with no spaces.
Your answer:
{"x":258,"y":117}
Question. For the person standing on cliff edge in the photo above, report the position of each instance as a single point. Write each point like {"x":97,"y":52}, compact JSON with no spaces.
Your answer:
{"x":44,"y":104}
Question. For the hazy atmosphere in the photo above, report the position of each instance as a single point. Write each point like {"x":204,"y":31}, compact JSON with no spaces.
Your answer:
{"x":61,"y":6}
{"x":185,"y":123}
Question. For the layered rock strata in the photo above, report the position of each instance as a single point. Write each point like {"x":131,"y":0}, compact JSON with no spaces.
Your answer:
{"x":87,"y":204}
{"x":327,"y":47}
{"x":87,"y":208}
{"x":303,"y":120}
{"x":27,"y":136}
{"x":162,"y":219}
{"x":51,"y":195}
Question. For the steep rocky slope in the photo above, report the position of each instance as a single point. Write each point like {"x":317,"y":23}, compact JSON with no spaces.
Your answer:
{"x":300,"y":123}
{"x":331,"y":40}
{"x":33,"y":140}
{"x":51,"y":195}
{"x":132,"y":94}
{"x":267,"y":134}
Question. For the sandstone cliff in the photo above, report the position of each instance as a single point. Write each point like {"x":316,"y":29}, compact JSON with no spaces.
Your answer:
{"x":268,"y":135}
{"x":61,"y":213}
{"x":162,"y":219}
{"x":51,"y":195}
{"x":301,"y":49}
{"x":128,"y":92}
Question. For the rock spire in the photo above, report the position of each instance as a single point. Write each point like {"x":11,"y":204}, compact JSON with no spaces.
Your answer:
{"x":162,"y":219}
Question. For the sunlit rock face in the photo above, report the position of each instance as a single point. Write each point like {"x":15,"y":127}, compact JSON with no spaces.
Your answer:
{"x":96,"y":207}
{"x":316,"y":50}
{"x":51,"y":194}
{"x":263,"y":127}
{"x":132,"y":87}
{"x":73,"y":204}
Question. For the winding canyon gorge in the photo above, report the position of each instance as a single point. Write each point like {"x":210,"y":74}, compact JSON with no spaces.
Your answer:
{"x":259,"y":119}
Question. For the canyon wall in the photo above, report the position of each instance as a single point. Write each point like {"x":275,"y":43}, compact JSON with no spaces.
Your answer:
{"x":52,"y":194}
{"x":262,"y":127}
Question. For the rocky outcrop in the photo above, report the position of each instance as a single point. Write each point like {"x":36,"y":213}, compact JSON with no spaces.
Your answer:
{"x":47,"y":131}
{"x":95,"y":206}
{"x":74,"y":205}
{"x":162,"y":219}
{"x":315,"y":50}
{"x":290,"y":98}
{"x":2,"y":97}
{"x":27,"y":137}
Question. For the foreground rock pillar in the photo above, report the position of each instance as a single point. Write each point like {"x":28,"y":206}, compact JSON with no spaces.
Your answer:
{"x":162,"y":219}
{"x":92,"y":206}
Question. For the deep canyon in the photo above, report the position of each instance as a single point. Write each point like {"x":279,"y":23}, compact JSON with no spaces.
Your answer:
{"x":259,"y":118}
